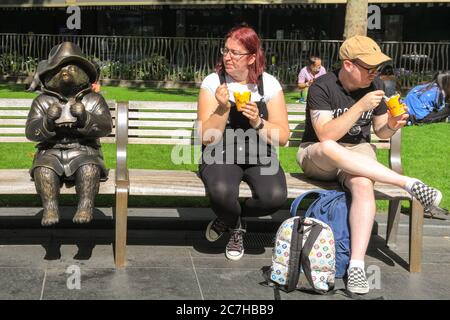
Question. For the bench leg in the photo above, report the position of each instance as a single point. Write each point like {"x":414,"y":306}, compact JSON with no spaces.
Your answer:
{"x":121,"y":225}
{"x":415,"y":236}
{"x":392,"y":223}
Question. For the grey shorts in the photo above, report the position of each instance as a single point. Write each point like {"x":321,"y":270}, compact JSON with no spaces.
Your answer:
{"x":307,"y":153}
{"x":65,"y":162}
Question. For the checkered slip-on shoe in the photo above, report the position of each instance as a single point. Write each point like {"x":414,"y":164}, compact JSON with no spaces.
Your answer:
{"x":427,"y":196}
{"x":357,"y":281}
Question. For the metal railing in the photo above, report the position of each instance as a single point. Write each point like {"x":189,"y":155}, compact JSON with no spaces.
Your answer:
{"x":191,"y":59}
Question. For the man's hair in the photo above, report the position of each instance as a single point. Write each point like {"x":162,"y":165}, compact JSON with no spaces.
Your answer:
{"x":312,"y":60}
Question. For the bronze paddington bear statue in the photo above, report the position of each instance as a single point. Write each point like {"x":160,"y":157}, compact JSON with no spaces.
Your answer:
{"x":67,"y":119}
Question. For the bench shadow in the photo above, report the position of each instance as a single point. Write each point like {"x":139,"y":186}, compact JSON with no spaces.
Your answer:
{"x":378,"y":250}
{"x":149,"y":231}
{"x":27,"y":230}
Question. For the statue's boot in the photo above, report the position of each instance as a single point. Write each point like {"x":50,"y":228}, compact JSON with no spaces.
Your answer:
{"x":47,"y":184}
{"x":87,"y":182}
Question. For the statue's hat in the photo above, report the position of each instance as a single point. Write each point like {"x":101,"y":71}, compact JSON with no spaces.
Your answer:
{"x":64,"y":53}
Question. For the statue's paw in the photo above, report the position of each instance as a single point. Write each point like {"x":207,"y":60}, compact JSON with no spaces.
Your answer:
{"x":83,"y":216}
{"x":50,"y":218}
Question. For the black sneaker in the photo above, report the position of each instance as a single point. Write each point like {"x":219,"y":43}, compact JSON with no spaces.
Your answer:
{"x":429,"y":197}
{"x":235,"y":247}
{"x":357,"y":281}
{"x":215,"y":229}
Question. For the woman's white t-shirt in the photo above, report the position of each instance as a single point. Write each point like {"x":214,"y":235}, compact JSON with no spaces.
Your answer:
{"x":271,"y":86}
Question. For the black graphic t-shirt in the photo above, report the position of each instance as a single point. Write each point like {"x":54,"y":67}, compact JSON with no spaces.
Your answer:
{"x":327,"y":93}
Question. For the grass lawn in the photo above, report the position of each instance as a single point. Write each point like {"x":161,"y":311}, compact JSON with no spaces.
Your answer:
{"x":126,"y":94}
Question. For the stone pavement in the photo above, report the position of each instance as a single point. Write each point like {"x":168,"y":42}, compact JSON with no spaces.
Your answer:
{"x":174,"y":261}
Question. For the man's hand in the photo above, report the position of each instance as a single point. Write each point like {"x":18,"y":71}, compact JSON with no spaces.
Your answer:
{"x":395,"y":123}
{"x":370,"y":101}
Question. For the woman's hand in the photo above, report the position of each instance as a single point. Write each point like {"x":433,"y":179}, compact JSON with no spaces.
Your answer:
{"x":223,"y":96}
{"x":251,"y":111}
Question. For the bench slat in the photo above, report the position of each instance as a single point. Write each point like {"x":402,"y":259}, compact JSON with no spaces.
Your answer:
{"x":179,"y":183}
{"x":186,"y":106}
{"x":12,"y":130}
{"x":162,"y":115}
{"x":13,"y":113}
{"x":186,"y":183}
{"x":161,"y":124}
{"x":13,"y":122}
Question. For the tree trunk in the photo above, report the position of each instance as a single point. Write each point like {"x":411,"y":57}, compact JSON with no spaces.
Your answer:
{"x":356,"y":18}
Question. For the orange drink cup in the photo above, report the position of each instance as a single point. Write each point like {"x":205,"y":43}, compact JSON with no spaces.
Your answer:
{"x":241,"y":99}
{"x":395,"y":107}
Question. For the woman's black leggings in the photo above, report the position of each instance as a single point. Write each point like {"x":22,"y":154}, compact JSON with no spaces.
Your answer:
{"x":222,"y":183}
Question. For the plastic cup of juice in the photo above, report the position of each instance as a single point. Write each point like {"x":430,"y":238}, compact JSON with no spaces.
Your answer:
{"x":395,"y":106}
{"x":241,"y":98}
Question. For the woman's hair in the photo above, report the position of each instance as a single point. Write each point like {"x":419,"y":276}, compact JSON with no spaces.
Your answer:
{"x":251,"y":42}
{"x":442,"y":80}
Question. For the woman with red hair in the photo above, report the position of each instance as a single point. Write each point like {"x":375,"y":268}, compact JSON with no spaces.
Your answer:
{"x":238,"y":144}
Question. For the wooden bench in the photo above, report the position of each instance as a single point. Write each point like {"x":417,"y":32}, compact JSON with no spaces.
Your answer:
{"x":172,"y":123}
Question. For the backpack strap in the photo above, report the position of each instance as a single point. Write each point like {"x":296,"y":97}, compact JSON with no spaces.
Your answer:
{"x":314,"y":233}
{"x":266,"y":270}
{"x":295,"y":255}
{"x":296,"y":203}
{"x":260,"y":83}
{"x":222,"y":77}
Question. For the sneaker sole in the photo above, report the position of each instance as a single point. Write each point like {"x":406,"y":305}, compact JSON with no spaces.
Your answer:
{"x":207,"y":233}
{"x":234,"y":258}
{"x":438,"y":199}
{"x":359,"y":290}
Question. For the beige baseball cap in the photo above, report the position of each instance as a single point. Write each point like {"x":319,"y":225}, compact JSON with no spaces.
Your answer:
{"x":364,"y":49}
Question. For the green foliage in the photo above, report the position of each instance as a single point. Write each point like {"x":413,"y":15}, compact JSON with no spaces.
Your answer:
{"x":14,"y":65}
{"x":154,"y":67}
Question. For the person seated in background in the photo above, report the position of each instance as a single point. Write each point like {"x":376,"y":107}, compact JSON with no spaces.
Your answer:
{"x":391,"y":83}
{"x":308,"y":74}
{"x":429,"y":102}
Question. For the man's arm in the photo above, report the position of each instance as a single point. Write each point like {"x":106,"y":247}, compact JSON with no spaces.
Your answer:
{"x":385,"y":125}
{"x":327,"y":128}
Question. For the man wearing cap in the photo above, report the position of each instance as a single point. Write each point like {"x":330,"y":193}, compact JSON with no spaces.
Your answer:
{"x":341,"y":107}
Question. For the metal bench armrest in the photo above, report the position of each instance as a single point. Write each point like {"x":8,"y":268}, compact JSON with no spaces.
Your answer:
{"x":121,"y":141}
{"x":395,"y":161}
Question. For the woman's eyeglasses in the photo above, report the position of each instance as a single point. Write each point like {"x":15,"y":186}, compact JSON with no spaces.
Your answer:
{"x":233,"y":53}
{"x":371,"y":70}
